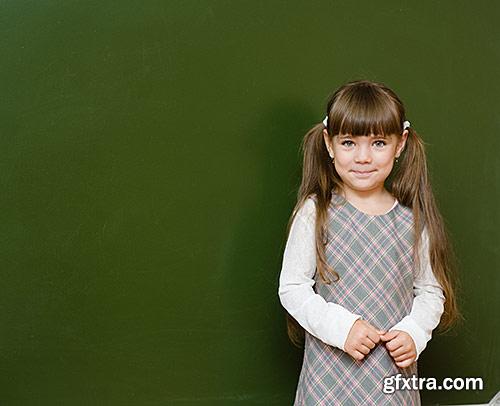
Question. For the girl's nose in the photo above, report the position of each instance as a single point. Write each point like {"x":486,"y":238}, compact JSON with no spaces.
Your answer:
{"x":363,"y":156}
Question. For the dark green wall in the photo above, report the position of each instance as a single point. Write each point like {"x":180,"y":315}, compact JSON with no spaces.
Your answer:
{"x":150,"y":163}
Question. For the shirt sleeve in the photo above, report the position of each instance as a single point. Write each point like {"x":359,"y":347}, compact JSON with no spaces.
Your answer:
{"x":328,"y":321}
{"x":428,"y":302}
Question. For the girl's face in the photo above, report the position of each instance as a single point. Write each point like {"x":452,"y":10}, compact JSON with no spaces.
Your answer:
{"x":364,"y":162}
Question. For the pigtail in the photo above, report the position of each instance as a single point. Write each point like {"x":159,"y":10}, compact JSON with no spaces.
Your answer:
{"x":412,"y":187}
{"x":411,"y":182}
{"x":318,"y":180}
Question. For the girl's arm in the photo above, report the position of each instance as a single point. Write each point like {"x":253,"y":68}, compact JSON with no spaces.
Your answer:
{"x":428,"y":303}
{"x":327,"y":321}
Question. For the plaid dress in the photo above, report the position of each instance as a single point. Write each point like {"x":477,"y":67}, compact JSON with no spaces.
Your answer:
{"x":373,"y":257}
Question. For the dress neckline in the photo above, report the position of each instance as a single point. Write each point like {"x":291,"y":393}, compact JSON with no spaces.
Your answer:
{"x":348,"y":203}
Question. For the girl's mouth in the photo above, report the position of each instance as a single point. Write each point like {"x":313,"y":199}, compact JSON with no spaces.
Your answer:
{"x":363,"y":174}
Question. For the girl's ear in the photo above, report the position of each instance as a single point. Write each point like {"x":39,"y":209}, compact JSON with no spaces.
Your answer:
{"x":401,"y":143}
{"x":328,"y":144}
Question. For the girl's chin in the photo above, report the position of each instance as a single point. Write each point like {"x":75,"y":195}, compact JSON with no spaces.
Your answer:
{"x":360,"y":185}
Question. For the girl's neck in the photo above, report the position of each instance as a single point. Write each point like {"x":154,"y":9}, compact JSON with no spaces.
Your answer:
{"x":371,"y":201}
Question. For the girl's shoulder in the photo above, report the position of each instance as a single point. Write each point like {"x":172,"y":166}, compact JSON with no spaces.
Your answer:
{"x":404,"y":211}
{"x":308,"y":209}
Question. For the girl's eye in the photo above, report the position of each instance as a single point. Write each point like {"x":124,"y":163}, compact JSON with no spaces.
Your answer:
{"x":379,"y":143}
{"x":347,"y":143}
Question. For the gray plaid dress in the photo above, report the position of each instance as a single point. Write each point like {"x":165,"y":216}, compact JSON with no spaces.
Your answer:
{"x":373,"y":256}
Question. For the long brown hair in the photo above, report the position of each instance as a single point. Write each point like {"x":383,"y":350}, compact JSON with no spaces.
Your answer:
{"x":364,"y":107}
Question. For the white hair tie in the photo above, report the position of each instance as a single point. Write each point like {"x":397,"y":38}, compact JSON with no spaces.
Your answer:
{"x":406,"y":124}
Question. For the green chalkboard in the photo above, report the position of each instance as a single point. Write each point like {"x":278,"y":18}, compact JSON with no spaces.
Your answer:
{"x":150,"y":161}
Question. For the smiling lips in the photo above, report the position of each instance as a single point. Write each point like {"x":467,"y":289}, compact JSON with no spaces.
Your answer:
{"x":363,"y":174}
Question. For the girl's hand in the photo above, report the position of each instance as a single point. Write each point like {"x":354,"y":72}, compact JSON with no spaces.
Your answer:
{"x":361,"y":339}
{"x":401,"y":347}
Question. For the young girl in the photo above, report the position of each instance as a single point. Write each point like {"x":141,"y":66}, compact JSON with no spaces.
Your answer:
{"x":366,"y":214}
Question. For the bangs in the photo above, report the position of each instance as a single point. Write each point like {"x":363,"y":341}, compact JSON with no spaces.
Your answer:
{"x":365,"y":112}
{"x":373,"y":134}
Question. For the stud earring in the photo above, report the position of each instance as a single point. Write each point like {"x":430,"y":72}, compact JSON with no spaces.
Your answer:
{"x":397,"y":159}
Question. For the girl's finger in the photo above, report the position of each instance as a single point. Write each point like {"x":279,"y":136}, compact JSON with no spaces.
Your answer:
{"x":369,"y":343}
{"x":363,"y":349}
{"x":405,"y":363}
{"x":393,"y":345}
{"x":402,"y":357}
{"x":373,"y":336}
{"x":400,"y":351}
{"x":358,"y":356}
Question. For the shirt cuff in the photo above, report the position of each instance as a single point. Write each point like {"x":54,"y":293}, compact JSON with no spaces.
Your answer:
{"x":344,"y":327}
{"x":408,"y":325}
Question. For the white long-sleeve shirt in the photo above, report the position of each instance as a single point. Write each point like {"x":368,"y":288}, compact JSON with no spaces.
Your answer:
{"x":331,"y":322}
